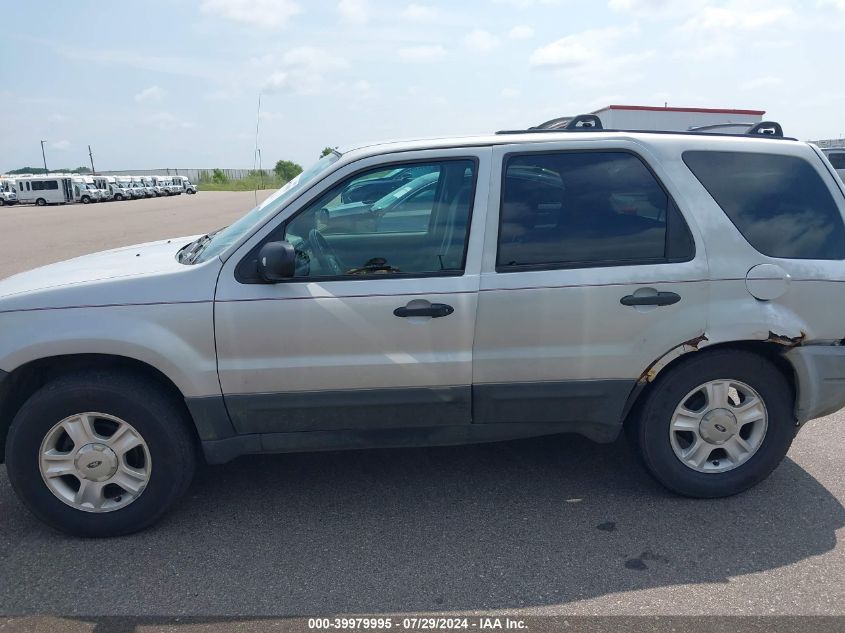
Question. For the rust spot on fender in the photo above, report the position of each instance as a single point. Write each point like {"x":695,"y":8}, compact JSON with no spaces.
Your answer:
{"x":652,"y":370}
{"x":695,"y":342}
{"x":788,"y":341}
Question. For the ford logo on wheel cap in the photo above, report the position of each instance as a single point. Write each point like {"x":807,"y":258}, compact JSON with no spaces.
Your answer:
{"x":719,"y":428}
{"x":94,"y":464}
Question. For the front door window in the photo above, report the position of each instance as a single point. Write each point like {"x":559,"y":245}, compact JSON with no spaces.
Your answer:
{"x":413,"y":220}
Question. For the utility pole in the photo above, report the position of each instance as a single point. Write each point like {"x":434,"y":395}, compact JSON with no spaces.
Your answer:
{"x":91,"y":156}
{"x":256,"y":156}
{"x":44,"y":156}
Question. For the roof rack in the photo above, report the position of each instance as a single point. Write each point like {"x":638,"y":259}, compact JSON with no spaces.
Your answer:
{"x":580,"y":122}
{"x":769,"y":128}
{"x":592,"y":123}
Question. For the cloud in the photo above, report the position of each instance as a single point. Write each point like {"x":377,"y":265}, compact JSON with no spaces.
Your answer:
{"x":175,"y":65}
{"x":638,"y":6}
{"x":423,"y":13}
{"x":574,"y":50}
{"x":167,"y":121}
{"x":595,"y":57}
{"x":271,"y":116}
{"x":267,"y":14}
{"x":521,"y":32}
{"x":422,"y":53}
{"x":763,"y":82}
{"x":736,"y":18}
{"x":357,"y":11}
{"x":60,"y":145}
{"x":301,"y":70}
{"x":151,"y":94}
{"x":481,"y":41}
{"x":527,"y":4}
{"x":510,"y":93}
{"x":57,"y":118}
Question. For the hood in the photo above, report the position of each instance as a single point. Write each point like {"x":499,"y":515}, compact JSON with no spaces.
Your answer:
{"x":72,"y":282}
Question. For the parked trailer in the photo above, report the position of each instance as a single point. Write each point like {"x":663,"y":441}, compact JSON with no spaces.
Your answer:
{"x":44,"y":190}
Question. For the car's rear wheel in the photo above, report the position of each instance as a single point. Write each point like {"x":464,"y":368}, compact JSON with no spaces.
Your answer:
{"x":41,"y":202}
{"x":715,"y":425}
{"x":100,"y":453}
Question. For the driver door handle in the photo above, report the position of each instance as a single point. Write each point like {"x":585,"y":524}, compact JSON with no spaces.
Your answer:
{"x":435,"y":311}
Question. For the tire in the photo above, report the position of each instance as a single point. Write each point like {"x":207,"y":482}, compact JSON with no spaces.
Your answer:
{"x":649,"y":429}
{"x":2,"y":202}
{"x":159,"y":421}
{"x":41,"y":202}
{"x":85,"y":199}
{"x":118,"y":197}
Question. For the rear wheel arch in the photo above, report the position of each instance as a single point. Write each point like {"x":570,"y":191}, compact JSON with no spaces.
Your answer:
{"x":772,"y":352}
{"x":24,"y":381}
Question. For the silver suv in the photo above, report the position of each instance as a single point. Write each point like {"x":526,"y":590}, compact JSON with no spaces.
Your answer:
{"x":685,"y":288}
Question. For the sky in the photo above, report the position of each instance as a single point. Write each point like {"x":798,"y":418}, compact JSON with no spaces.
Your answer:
{"x":160,"y":84}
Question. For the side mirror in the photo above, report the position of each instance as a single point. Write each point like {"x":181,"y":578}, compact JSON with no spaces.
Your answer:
{"x":276,"y":261}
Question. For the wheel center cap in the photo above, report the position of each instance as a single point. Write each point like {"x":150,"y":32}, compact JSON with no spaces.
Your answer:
{"x":96,"y":462}
{"x":718,"y":426}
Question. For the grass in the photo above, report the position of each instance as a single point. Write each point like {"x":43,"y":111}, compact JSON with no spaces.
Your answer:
{"x":250,"y":183}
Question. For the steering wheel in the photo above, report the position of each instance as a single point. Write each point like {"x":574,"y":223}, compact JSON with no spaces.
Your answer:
{"x":324,"y":253}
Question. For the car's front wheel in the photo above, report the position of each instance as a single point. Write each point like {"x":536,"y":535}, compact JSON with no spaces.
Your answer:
{"x":100,"y":453}
{"x":715,"y":425}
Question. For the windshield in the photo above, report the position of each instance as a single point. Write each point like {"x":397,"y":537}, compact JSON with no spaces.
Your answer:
{"x":224,"y":238}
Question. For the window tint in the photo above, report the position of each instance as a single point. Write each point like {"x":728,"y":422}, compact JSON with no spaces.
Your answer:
{"x":837,"y":159}
{"x":780,"y":204}
{"x":37,"y":185}
{"x":419,"y":226}
{"x":587,"y":209}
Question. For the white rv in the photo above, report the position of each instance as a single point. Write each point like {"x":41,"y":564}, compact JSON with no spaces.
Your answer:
{"x":141,"y":189}
{"x":44,"y":190}
{"x":131,"y":191}
{"x":84,"y":191}
{"x":120,"y":189}
{"x":149,"y":186}
{"x":166,"y":185}
{"x":102,"y":185}
{"x":158,"y":186}
{"x":184,"y":184}
{"x":8,"y":195}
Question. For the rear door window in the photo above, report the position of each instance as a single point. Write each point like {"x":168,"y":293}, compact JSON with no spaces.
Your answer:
{"x":779,"y":203}
{"x":586,"y":209}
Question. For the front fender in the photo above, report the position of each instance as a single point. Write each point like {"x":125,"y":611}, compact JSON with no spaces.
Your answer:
{"x":176,"y":339}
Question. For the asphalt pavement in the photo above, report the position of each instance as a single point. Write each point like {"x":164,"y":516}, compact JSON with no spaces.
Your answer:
{"x":543,"y":526}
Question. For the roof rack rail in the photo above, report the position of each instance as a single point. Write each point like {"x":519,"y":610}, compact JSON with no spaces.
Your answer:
{"x":592,"y":123}
{"x":768,"y":128}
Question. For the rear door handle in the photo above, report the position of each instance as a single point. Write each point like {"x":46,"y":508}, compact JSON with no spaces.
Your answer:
{"x":435,"y":311}
{"x":660,"y":299}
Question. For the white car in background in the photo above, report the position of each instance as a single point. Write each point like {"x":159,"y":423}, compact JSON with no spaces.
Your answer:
{"x":836,"y":156}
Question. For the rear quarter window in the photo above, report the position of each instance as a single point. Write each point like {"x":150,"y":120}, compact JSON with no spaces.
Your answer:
{"x":779,"y":204}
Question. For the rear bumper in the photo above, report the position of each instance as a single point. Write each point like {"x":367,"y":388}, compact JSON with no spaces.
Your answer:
{"x":820,"y":375}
